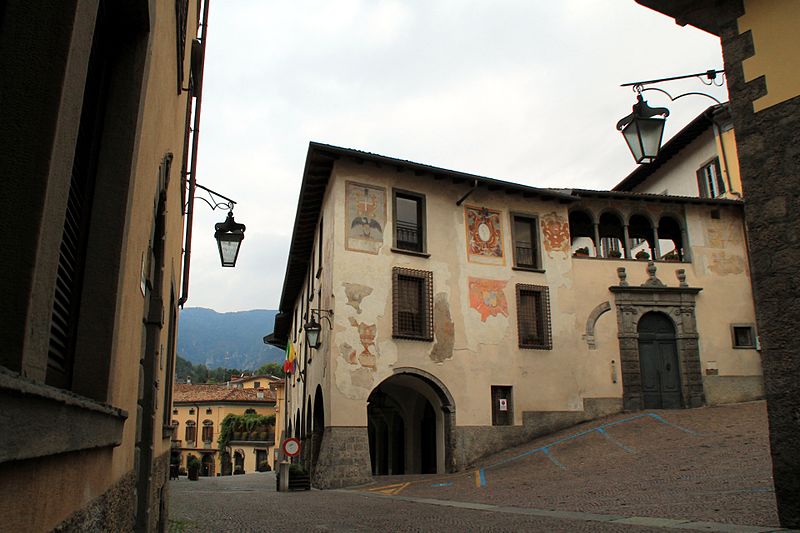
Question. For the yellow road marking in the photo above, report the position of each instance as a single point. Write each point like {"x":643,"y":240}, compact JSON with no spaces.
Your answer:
{"x":395,"y":488}
{"x":478,"y":478}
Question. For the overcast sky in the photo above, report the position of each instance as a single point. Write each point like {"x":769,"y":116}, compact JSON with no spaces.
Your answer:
{"x":520,"y":90}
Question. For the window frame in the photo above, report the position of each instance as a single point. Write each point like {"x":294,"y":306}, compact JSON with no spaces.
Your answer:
{"x":426,"y":279}
{"x":422,"y":227}
{"x":536,"y":244}
{"x":753,"y":336}
{"x":208,"y":429}
{"x":190,"y":425}
{"x":543,"y":310}
{"x":719,"y":187}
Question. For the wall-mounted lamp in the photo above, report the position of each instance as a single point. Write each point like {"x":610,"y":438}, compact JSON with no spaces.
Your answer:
{"x":642,"y":130}
{"x":314,"y":328}
{"x":229,"y":234}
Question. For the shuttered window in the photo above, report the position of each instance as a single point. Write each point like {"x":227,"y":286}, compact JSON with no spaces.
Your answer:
{"x":74,"y":239}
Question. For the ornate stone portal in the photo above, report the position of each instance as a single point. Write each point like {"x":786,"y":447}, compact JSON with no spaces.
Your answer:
{"x":678,"y":303}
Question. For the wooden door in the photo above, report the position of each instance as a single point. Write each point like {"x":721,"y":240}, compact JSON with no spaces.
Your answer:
{"x":658,"y":359}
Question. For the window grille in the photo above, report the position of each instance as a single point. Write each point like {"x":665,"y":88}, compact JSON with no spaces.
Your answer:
{"x":412,"y":304}
{"x":533,"y":317}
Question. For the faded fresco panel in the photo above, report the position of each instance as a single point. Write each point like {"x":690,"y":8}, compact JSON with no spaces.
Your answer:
{"x":486,"y":296}
{"x":365,"y":206}
{"x":484,"y":235}
{"x":556,"y":233}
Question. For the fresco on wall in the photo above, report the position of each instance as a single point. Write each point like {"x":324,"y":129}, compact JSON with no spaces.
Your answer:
{"x":356,"y":292}
{"x":365,"y":206}
{"x":556,"y":233}
{"x":486,"y":296}
{"x":484,"y":235}
{"x":366,"y":334}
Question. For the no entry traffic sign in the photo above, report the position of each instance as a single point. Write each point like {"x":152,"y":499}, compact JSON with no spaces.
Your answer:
{"x":291,"y":447}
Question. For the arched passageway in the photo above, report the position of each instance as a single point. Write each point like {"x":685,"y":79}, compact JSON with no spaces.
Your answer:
{"x":409,"y":423}
{"x":318,"y":427}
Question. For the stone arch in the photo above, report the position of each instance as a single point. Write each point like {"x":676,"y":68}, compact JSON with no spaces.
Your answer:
{"x":411,"y":423}
{"x":581,"y":230}
{"x":596,"y":313}
{"x":611,"y":232}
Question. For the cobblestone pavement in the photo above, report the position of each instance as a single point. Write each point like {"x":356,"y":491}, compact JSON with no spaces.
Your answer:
{"x":677,"y":469}
{"x":710,"y":464}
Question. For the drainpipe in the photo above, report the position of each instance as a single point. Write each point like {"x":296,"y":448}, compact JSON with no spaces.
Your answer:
{"x":198,"y":104}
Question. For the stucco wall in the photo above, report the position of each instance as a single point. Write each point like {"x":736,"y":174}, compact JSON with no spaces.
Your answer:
{"x":484,"y":348}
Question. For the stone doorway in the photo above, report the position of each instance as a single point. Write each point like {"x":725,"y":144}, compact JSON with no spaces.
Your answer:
{"x":409,"y":425}
{"x":673,"y":304}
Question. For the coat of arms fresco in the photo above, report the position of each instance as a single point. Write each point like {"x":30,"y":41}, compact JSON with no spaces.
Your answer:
{"x":484,"y":235}
{"x":366,"y":217}
{"x":556,"y":233}
{"x":486,"y":296}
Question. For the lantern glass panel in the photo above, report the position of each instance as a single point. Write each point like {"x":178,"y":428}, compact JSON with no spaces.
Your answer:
{"x":229,"y":248}
{"x":631,"y":135}
{"x":312,"y":334}
{"x":651,"y":130}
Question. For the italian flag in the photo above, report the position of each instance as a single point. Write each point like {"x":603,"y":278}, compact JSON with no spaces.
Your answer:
{"x":289,"y":363}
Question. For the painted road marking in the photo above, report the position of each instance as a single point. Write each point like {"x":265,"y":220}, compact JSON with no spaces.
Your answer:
{"x":599,"y":429}
{"x":442,"y":484}
{"x":395,"y":488}
{"x":612,"y":440}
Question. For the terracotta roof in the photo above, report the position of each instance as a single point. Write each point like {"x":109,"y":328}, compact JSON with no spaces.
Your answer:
{"x":183,"y":393}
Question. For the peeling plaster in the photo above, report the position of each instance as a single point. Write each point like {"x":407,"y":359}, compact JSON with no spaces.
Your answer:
{"x":724,"y":264}
{"x":355,"y":293}
{"x":444,"y":329}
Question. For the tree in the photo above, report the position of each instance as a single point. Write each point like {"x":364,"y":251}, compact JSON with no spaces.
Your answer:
{"x":272,"y":369}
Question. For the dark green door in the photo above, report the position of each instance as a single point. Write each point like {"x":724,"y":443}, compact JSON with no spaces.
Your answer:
{"x":658,"y":359}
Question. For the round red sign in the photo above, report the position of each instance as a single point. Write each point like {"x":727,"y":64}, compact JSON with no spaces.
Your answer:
{"x":291,"y":447}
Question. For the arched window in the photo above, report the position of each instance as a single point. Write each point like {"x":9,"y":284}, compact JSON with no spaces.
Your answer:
{"x":670,"y":240}
{"x":250,"y":411}
{"x":581,"y":234}
{"x":208,"y":431}
{"x":612,"y":236}
{"x":191,"y":431}
{"x":642,"y":237}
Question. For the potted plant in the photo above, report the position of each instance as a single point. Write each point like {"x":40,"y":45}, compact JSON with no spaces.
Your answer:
{"x":299,"y":478}
{"x":671,"y":256}
{"x":263,"y":466}
{"x":642,"y":255}
{"x":583,"y":251}
{"x":238,"y":471}
{"x":616,"y":254}
{"x":193,"y":467}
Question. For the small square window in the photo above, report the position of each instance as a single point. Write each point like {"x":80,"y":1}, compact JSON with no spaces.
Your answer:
{"x":533,"y":317}
{"x":191,"y":411}
{"x":208,"y":411}
{"x":525,"y":234}
{"x":709,"y":180}
{"x":174,"y":411}
{"x":412,"y":304}
{"x":409,"y":221}
{"x":257,"y":385}
{"x":502,"y":406}
{"x":744,"y":335}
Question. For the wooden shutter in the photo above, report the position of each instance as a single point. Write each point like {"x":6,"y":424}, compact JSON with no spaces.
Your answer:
{"x":702,"y":186}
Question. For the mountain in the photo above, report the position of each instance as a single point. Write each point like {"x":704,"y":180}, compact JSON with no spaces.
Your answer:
{"x":230,"y":340}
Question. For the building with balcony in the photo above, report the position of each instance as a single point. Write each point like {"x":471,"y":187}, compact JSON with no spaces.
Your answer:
{"x":198,"y":412}
{"x":469,"y":314}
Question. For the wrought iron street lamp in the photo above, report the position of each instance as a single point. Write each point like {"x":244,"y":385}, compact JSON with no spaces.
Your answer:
{"x":643,"y":129}
{"x":229,"y":235}
{"x":314,"y":328}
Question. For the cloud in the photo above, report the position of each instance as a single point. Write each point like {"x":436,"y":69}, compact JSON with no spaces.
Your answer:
{"x":516,"y":90}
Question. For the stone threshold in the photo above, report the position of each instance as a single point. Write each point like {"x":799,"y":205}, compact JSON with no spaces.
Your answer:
{"x":667,"y":523}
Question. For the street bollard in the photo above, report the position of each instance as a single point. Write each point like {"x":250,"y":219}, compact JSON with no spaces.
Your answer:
{"x":284,"y":476}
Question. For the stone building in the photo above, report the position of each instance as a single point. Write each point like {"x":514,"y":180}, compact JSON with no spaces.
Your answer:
{"x":197,"y":415}
{"x":462,"y":314}
{"x":96,"y":99}
{"x":759,"y":42}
